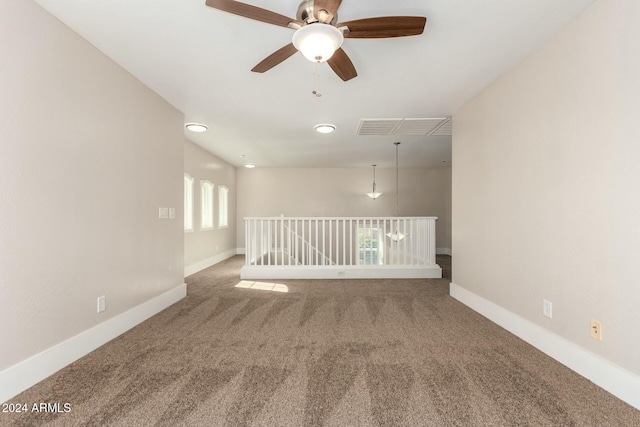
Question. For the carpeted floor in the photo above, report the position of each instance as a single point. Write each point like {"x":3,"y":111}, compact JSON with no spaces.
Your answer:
{"x":334,"y":353}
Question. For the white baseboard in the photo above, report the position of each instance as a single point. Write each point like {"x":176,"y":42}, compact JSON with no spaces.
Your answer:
{"x":443,"y":251}
{"x":614,"y":379}
{"x":206,"y":263}
{"x":29,"y":372}
{"x":340,"y":272}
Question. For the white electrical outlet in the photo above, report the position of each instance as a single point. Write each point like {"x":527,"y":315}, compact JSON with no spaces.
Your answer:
{"x":547,"y":308}
{"x":102,"y":304}
{"x":596,"y":330}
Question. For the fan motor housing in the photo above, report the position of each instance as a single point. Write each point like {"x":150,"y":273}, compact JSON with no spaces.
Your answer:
{"x":305,"y":13}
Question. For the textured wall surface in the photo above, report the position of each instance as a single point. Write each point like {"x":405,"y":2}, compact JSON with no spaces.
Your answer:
{"x":341,"y":192}
{"x":200,"y":245}
{"x":545,"y":178}
{"x":89,"y":154}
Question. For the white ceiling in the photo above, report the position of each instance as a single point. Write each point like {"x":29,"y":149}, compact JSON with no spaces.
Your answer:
{"x":199,"y":60}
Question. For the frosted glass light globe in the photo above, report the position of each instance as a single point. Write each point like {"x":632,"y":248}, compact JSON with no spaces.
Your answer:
{"x":318,"y":41}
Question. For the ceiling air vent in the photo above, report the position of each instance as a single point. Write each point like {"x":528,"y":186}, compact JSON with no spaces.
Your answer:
{"x":377,"y":127}
{"x":444,"y":128}
{"x":403,"y":127}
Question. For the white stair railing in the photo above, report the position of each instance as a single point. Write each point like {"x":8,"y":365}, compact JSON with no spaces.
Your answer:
{"x":330,"y":242}
{"x":299,"y":249}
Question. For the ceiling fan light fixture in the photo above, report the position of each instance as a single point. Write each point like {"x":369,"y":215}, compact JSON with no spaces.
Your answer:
{"x":324,"y":128}
{"x":196,"y":127}
{"x":317,"y":41}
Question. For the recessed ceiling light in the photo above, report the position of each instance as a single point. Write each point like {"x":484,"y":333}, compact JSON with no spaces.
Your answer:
{"x":196,"y":127}
{"x":249,"y":165}
{"x":325,"y":128}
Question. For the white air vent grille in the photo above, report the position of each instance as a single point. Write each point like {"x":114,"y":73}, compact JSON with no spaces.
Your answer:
{"x":373,"y":127}
{"x":404,"y":127}
{"x":445,"y":128}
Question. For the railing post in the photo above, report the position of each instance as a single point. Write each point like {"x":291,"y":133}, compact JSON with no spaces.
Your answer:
{"x":432,"y":240}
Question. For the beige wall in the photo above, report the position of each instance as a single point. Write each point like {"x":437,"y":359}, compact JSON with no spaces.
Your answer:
{"x":88,"y":156}
{"x":202,"y":247}
{"x":341,"y":192}
{"x":546,"y":185}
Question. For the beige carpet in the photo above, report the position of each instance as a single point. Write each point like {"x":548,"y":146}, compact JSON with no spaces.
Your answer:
{"x":334,"y":353}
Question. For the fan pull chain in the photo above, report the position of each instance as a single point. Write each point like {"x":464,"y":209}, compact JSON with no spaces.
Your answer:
{"x":316,"y":80}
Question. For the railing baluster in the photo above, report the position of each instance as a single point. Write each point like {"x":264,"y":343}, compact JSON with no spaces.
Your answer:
{"x":295,"y":244}
{"x":252,"y":236}
{"x":268,"y":242}
{"x":378,"y":261}
{"x":324,"y":236}
{"x":404,"y":230}
{"x":350,"y":241}
{"x":422,"y":241}
{"x":412,"y":256}
{"x":418,"y":241}
{"x":330,"y":241}
{"x":308,"y":245}
{"x":274,"y":221}
{"x":344,"y":241}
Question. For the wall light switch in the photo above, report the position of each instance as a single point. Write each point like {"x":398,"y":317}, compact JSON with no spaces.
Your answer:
{"x":163,"y":213}
{"x":547,"y":308}
{"x":102,"y":304}
{"x":172,"y":213}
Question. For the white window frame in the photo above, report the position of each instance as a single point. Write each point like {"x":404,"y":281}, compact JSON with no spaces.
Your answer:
{"x":188,"y":203}
{"x":206,"y":204}
{"x":223,"y":206}
{"x":368,"y":254}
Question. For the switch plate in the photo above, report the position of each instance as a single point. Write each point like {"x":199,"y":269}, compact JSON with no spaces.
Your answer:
{"x":102,"y":304}
{"x":547,"y":308}
{"x":163,"y":213}
{"x":596,"y":330}
{"x":172,"y":213}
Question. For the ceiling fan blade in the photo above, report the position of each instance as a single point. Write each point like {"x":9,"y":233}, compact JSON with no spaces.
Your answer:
{"x":330,"y":6}
{"x":251,"y":12}
{"x":342,"y":65}
{"x":275,"y":58}
{"x":384,"y":27}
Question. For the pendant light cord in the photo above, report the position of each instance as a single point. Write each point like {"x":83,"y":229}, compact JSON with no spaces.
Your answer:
{"x":374,"y":178}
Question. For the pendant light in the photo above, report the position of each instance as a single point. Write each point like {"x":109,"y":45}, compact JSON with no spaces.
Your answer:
{"x":396,"y":236}
{"x":374,"y":194}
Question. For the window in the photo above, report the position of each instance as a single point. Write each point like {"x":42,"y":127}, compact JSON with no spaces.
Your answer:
{"x":223,"y":206}
{"x":370,"y":246}
{"x":206,"y":205}
{"x":188,"y":202}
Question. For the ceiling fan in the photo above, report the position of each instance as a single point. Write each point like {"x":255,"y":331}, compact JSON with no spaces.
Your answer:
{"x":319,"y":35}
